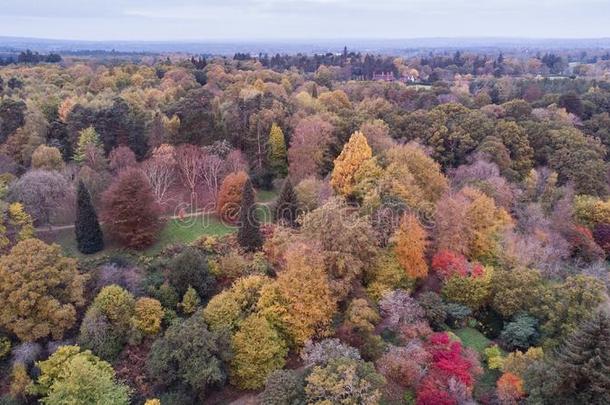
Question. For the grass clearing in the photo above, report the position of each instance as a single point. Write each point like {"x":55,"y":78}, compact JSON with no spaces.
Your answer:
{"x":174,"y":231}
{"x":189,"y":230}
{"x":473,"y":338}
{"x":265,"y":196}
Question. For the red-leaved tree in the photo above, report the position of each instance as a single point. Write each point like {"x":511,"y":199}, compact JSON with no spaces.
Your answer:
{"x":130,"y":212}
{"x":451,"y":375}
{"x":447,"y":263}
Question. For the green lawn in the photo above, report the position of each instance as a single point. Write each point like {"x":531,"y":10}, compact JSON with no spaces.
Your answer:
{"x":189,"y":230}
{"x":477,"y":341}
{"x":265,"y":196}
{"x":473,"y":338}
{"x":174,"y":231}
{"x":66,"y":239}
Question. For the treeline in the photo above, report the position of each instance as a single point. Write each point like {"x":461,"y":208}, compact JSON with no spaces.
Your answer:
{"x":32,"y":58}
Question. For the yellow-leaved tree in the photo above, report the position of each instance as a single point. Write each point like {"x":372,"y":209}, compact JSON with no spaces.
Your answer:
{"x":301,"y":302}
{"x":276,"y":152}
{"x":356,"y":153}
{"x":40,"y":290}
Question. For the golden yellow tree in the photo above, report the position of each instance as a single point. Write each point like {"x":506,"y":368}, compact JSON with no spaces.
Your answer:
{"x":354,"y":155}
{"x":258,"y":351}
{"x":305,"y":294}
{"x":276,"y":152}
{"x":147,"y":315}
{"x":410,"y":242}
{"x":39,"y":290}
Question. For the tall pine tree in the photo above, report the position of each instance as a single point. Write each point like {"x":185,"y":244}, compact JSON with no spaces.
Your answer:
{"x":249,"y":234}
{"x":579,"y":372}
{"x":89,"y":237}
{"x":286,"y":209}
{"x":583,"y":361}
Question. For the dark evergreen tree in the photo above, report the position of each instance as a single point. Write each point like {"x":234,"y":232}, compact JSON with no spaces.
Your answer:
{"x":286,"y":209}
{"x":249,"y":234}
{"x":89,"y":237}
{"x":579,"y":372}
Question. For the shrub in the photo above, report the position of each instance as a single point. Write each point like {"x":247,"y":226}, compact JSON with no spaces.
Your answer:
{"x":167,"y":295}
{"x":232,"y":264}
{"x":493,"y":357}
{"x":399,"y":308}
{"x":117,"y":305}
{"x":190,"y":269}
{"x":190,"y":301}
{"x":98,"y":335}
{"x":284,"y":387}
{"x":322,"y":352}
{"x":521,"y":333}
{"x":5,"y":347}
{"x":434,"y":309}
{"x":148,"y":313}
{"x":123,"y":274}
{"x":26,"y":353}
{"x":72,"y":376}
{"x":188,"y":353}
{"x":457,"y":314}
{"x":344,"y":380}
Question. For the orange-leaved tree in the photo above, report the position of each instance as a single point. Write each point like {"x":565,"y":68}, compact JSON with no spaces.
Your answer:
{"x":229,"y":196}
{"x":410,"y":242}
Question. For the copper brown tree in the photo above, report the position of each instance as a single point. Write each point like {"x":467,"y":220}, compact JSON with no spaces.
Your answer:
{"x":129,"y":210}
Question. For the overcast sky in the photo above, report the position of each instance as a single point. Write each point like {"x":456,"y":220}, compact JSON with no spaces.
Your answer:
{"x":303,"y":19}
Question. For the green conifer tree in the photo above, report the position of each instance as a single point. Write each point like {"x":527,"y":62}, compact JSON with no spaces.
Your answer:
{"x":89,"y":237}
{"x":583,"y":361}
{"x":579,"y":372}
{"x":286,"y":209}
{"x":249,"y":234}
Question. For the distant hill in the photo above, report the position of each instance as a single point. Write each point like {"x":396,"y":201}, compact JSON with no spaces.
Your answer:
{"x":230,"y":47}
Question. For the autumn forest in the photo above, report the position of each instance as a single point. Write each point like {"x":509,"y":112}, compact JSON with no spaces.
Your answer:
{"x":339,"y":228}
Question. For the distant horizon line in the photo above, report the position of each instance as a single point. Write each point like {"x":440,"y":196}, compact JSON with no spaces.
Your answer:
{"x":300,"y":39}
